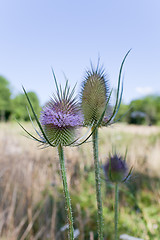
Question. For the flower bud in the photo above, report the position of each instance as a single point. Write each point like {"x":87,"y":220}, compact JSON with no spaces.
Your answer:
{"x":116,"y":169}
{"x":93,"y":95}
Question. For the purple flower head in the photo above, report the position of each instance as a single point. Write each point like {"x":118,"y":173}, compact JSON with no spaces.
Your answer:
{"x":116,"y":169}
{"x":60,"y":117}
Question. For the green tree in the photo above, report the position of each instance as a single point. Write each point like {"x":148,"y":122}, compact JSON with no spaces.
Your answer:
{"x":157,"y":110}
{"x":141,"y":111}
{"x":20,"y":104}
{"x":5,"y":100}
{"x":150,"y":105}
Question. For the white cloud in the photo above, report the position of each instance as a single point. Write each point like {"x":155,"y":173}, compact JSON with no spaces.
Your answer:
{"x":144,"y":90}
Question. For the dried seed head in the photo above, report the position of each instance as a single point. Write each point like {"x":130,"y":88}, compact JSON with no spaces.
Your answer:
{"x":94,"y":95}
{"x":116,"y":169}
{"x":60,"y":117}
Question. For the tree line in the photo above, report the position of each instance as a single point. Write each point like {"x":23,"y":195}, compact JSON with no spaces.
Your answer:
{"x":15,"y":107}
{"x":141,"y":111}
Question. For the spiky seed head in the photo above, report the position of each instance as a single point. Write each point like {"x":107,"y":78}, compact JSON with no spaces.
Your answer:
{"x":60,"y":118}
{"x":94,"y":94}
{"x":116,"y":169}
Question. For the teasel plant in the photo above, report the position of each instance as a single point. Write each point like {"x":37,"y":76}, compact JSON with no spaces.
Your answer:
{"x":57,"y":126}
{"x":95,"y":103}
{"x":116,"y":171}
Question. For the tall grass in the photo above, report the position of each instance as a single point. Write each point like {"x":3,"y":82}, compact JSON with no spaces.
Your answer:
{"x":31,"y":195}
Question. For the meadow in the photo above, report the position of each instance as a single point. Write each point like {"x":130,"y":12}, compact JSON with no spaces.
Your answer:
{"x":31,"y":194}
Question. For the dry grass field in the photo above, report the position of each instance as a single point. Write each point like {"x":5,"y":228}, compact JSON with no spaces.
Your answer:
{"x":31,"y":197}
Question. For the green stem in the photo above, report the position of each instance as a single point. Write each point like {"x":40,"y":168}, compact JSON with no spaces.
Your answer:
{"x":98,"y":185}
{"x":66,"y":192}
{"x":116,"y":210}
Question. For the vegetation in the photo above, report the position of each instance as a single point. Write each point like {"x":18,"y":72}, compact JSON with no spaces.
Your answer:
{"x":5,"y":101}
{"x":31,"y":192}
{"x":31,"y":195}
{"x":19,"y":105}
{"x":15,"y":108}
{"x":141,"y":111}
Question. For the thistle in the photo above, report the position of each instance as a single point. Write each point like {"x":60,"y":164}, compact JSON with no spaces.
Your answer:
{"x":95,"y":97}
{"x":58,"y":122}
{"x":116,"y":171}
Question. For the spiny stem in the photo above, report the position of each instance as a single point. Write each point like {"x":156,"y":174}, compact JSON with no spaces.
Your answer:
{"x":98,"y":184}
{"x":116,"y":210}
{"x":66,"y":193}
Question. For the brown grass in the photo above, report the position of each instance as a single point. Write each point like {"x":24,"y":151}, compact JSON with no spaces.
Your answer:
{"x":26,"y":170}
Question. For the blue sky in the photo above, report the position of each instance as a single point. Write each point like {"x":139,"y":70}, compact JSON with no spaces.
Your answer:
{"x":66,"y":35}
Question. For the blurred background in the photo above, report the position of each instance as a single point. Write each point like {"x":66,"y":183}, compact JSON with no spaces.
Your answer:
{"x":68,"y":35}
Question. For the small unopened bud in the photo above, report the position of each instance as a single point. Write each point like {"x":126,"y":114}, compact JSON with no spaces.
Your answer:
{"x":116,"y":169}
